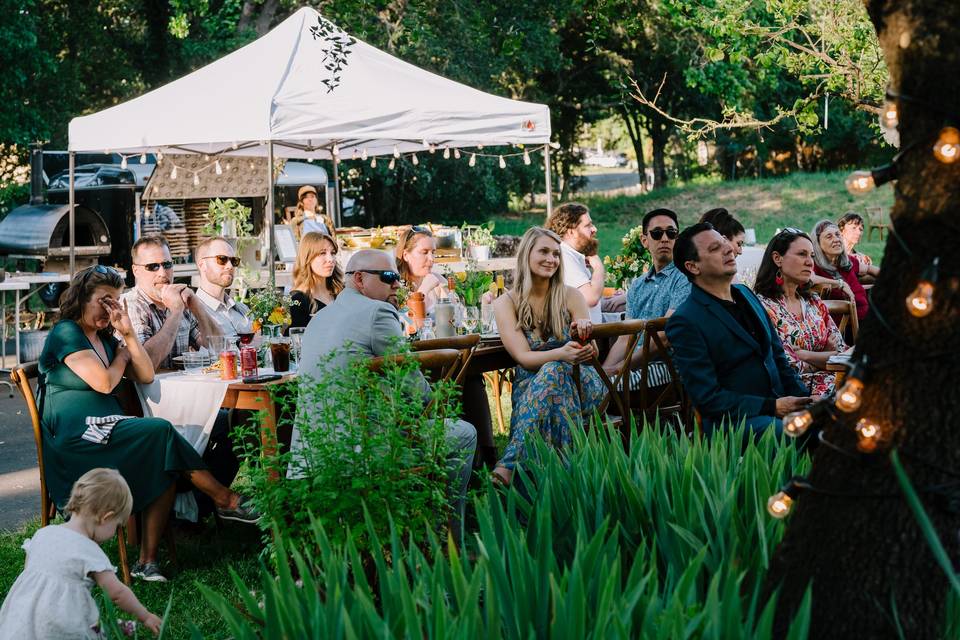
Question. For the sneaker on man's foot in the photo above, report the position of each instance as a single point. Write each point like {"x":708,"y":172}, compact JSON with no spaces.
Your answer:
{"x":148,"y":571}
{"x":245,"y":511}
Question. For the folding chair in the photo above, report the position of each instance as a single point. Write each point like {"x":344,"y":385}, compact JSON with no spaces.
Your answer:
{"x":21,"y":377}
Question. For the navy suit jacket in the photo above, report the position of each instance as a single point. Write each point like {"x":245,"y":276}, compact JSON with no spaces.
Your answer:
{"x":724,"y":369}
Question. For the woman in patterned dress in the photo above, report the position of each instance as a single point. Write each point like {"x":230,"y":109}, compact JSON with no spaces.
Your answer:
{"x":545,"y":327}
{"x":808,"y":333}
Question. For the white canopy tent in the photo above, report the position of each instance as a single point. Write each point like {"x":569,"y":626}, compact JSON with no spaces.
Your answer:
{"x":307,"y":89}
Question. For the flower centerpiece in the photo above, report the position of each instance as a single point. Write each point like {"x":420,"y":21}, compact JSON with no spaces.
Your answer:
{"x":471,"y":284}
{"x":630,"y":263}
{"x":269,"y":307}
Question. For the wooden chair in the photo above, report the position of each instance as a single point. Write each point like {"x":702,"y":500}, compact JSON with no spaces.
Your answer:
{"x":442,"y":362}
{"x":669,"y":399}
{"x":21,"y":377}
{"x":844,"y":313}
{"x":465,"y":345}
{"x":876,"y":222}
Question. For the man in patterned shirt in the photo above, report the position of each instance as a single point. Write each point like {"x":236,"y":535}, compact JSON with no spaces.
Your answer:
{"x":168,"y":318}
{"x":658,"y":292}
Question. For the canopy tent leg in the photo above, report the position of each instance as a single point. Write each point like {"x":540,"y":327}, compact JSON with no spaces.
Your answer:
{"x":270,"y":240}
{"x":70,"y":203}
{"x":546,"y":177}
{"x":337,"y":214}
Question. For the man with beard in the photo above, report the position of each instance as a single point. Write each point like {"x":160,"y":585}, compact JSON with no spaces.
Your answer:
{"x":217,"y":262}
{"x":582,"y":267}
{"x":168,"y":318}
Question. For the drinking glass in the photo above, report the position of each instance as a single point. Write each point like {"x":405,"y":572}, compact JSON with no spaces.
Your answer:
{"x":296,"y":339}
{"x":472,"y":319}
{"x":194,"y":361}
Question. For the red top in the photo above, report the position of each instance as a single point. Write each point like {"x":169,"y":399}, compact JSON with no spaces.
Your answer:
{"x":852,"y":278}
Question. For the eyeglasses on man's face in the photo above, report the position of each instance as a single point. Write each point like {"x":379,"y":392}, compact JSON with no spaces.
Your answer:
{"x":387,"y":276}
{"x":223,"y":260}
{"x":166,"y":265}
{"x":657,"y":233}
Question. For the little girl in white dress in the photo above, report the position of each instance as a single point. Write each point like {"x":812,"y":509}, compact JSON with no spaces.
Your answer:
{"x":51,"y":598}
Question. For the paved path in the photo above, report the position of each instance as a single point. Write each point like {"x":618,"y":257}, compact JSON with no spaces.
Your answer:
{"x":19,"y":476}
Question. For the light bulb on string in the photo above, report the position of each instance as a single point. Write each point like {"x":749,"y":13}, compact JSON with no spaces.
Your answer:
{"x":446,"y":153}
{"x":526,"y":157}
{"x":373,"y":163}
{"x":396,"y":151}
{"x":480,"y":147}
{"x":473,"y":160}
{"x":456,"y":154}
{"x":861,"y":182}
{"x":336,"y":149}
{"x":947,"y":147}
{"x":503,"y":163}
{"x":393,"y":163}
{"x":123,"y":162}
{"x":850,"y":395}
{"x":414,"y":159}
{"x":779,"y":505}
{"x":218,"y":168}
{"x":173,"y":173}
{"x":796,"y":424}
{"x":206,"y":157}
{"x":868,"y":434}
{"x":196,"y":179}
{"x":920,"y":300}
{"x":143,"y":158}
{"x":229,"y":166}
{"x":363,"y":154}
{"x":888,"y":116}
{"x":433,"y":148}
{"x":426,"y":145}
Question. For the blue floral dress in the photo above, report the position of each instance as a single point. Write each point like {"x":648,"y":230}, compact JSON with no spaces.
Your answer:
{"x":545,"y":400}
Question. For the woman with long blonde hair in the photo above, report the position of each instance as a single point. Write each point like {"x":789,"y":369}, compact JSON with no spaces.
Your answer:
{"x":545,"y":326}
{"x":317,"y":278}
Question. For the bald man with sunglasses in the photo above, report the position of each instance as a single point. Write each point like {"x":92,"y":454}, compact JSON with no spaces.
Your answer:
{"x":218,"y":263}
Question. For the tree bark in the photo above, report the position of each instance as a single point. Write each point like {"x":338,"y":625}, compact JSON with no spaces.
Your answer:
{"x":869,"y":563}
{"x":632,"y":121}
{"x":659,"y":135}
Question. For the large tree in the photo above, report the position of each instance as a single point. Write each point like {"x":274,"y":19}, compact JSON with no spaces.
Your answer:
{"x":870,"y":565}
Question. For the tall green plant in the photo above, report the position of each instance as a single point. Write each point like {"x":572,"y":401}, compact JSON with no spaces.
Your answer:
{"x":666,"y":540}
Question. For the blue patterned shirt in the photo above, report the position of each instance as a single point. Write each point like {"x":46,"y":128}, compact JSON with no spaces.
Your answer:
{"x":656,"y":292}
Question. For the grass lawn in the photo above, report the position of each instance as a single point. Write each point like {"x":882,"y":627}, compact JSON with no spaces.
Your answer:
{"x":799,"y":200}
{"x":205,"y":556}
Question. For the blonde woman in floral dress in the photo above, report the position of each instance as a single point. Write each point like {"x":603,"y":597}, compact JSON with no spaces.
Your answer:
{"x":808,"y":333}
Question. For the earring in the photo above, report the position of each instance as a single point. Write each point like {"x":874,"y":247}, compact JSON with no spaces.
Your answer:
{"x":779,"y":278}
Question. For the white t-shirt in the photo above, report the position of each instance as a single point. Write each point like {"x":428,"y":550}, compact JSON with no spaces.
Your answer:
{"x":576,"y":274}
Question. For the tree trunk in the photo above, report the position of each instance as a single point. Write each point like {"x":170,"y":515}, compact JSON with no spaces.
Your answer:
{"x":868,"y":560}
{"x":659,"y":136}
{"x":632,"y":121}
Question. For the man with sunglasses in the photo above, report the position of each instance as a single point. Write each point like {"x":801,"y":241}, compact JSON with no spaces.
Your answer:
{"x":364,"y":321}
{"x":217,"y":262}
{"x":726,"y":349}
{"x":169,"y":318}
{"x":658,"y":292}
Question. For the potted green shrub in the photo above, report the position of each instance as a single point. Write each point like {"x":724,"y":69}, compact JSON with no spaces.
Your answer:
{"x":479,"y":240}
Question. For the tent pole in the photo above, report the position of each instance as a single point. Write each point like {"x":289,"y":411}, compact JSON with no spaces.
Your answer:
{"x":546,"y":177}
{"x":70,"y":203}
{"x":337,"y":212}
{"x":270,"y":241}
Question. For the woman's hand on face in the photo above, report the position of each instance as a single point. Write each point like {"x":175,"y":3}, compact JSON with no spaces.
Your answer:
{"x":575,"y":353}
{"x":119,"y":317}
{"x":580,"y":330}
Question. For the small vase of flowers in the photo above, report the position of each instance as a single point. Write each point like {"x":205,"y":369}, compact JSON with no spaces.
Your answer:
{"x":630,"y":263}
{"x":269,"y":307}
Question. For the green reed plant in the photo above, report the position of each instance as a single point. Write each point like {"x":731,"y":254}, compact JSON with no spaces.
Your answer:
{"x":665,"y":539}
{"x":366,"y":440}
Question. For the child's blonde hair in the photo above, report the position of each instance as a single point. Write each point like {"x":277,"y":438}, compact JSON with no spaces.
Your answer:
{"x":100,"y":491}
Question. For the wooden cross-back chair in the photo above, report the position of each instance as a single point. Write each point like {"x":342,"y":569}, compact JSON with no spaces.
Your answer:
{"x":21,"y":377}
{"x":441,"y":362}
{"x":465,"y":345}
{"x":844,"y":314}
{"x":667,"y":400}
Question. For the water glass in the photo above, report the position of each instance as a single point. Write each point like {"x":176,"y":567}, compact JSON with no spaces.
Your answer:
{"x":296,"y":339}
{"x":194,"y":361}
{"x":472,"y":319}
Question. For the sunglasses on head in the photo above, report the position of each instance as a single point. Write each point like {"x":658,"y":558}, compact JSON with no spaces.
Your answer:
{"x":386,"y":276}
{"x":790,"y":230}
{"x":423,"y":230}
{"x":656,"y":234}
{"x":223,"y":260}
{"x":102,"y":270}
{"x":156,"y":266}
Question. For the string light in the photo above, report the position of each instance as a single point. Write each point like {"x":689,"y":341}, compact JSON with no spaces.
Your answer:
{"x":503,"y":163}
{"x":143,"y":158}
{"x":861,"y":182}
{"x":206,"y":157}
{"x":336,"y":149}
{"x":426,"y":145}
{"x":947,"y":147}
{"x":920,"y":300}
{"x":218,"y":168}
{"x":850,"y":395}
{"x":796,"y":424}
{"x":363,"y":154}
{"x":526,"y":157}
{"x":234,"y":146}
{"x":869,"y":434}
{"x":781,"y":503}
{"x":196,"y":179}
{"x":888,"y":116}
{"x":373,"y":163}
{"x":393,"y":163}
{"x":446,"y":153}
{"x":173,"y":173}
{"x":433,"y":148}
{"x":396,"y":151}
{"x":123,"y":162}
{"x":456,"y":153}
{"x":414,"y":159}
{"x":473,"y":160}
{"x":229,"y":166}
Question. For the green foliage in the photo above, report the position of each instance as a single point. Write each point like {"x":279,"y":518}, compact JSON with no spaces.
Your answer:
{"x":480,"y":235}
{"x":668,"y":540}
{"x":227,"y":218}
{"x":470,"y":285}
{"x":366,"y":440}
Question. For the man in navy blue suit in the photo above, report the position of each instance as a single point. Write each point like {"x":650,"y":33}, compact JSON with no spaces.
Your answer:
{"x":724,"y":346}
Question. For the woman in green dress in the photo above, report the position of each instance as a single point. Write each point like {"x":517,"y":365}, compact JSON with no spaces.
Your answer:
{"x":83,"y":426}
